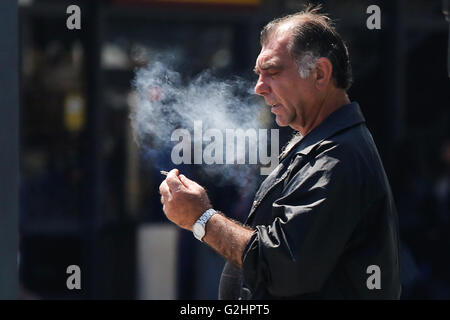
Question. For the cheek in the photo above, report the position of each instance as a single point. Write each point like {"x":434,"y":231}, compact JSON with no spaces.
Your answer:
{"x":290,"y":99}
{"x":301,"y":96}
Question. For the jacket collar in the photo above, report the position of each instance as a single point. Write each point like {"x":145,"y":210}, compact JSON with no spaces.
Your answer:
{"x":345,"y":117}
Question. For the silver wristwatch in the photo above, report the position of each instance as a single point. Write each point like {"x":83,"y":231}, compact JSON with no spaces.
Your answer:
{"x":199,"y":229}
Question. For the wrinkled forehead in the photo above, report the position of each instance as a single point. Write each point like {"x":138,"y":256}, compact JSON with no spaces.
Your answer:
{"x":274,"y":51}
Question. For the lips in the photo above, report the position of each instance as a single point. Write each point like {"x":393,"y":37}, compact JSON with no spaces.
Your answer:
{"x":275,"y":107}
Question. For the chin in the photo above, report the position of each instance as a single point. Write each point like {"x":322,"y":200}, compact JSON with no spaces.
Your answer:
{"x":281,"y":122}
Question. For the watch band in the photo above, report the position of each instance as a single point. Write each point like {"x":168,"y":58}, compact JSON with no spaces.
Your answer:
{"x":206,"y":215}
{"x":202,"y":222}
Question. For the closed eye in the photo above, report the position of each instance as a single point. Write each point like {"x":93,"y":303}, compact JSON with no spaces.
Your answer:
{"x":273,"y":74}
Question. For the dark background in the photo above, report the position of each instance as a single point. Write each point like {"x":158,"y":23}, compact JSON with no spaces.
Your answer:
{"x":85,"y":191}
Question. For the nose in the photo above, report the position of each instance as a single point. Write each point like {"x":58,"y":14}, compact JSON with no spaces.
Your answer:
{"x":261,"y":87}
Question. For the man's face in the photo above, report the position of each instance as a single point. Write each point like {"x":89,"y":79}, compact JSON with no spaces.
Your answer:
{"x":279,"y":82}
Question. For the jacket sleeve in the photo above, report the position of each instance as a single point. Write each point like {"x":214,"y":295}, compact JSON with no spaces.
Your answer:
{"x":313,"y":220}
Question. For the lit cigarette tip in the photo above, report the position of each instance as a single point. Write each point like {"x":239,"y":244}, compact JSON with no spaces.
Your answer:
{"x":164,"y":172}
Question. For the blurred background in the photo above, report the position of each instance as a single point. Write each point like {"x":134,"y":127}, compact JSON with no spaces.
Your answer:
{"x":89,"y":198}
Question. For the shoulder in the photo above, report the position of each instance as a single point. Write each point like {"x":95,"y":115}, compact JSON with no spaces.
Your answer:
{"x":327,"y":164}
{"x":342,"y":157}
{"x":354,"y":149}
{"x":357,"y":161}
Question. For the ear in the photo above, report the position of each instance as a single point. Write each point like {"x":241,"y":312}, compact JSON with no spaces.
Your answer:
{"x":324,"y":70}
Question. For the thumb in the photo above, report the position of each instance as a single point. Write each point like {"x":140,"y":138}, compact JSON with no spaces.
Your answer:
{"x":173,"y":180}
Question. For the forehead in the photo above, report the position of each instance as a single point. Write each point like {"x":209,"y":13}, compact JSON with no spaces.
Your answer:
{"x":274,"y":52}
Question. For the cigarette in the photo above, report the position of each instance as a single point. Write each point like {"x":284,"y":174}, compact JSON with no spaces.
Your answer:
{"x":164,"y":172}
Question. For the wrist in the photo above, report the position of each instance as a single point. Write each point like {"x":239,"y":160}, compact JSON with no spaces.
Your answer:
{"x":199,"y":227}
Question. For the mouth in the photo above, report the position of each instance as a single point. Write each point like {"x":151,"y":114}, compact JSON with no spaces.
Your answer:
{"x":275,"y":107}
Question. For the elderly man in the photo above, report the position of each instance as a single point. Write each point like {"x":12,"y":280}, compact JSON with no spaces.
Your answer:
{"x":323,"y":224}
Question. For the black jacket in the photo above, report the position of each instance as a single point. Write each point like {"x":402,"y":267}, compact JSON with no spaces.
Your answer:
{"x":324,"y":220}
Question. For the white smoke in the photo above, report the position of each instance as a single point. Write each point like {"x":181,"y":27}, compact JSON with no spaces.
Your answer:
{"x":167,"y":102}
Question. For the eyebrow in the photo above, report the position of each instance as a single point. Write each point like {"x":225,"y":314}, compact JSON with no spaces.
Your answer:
{"x":266,"y":66}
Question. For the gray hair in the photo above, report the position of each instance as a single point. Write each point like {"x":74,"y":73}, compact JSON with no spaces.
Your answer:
{"x":314,"y":36}
{"x":306,"y":63}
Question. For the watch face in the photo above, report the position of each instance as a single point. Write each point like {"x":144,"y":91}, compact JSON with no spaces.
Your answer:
{"x":198,"y":230}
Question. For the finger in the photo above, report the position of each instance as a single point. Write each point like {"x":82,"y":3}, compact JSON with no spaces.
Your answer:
{"x":173,"y":181}
{"x":165,"y":191}
{"x":188,"y":183}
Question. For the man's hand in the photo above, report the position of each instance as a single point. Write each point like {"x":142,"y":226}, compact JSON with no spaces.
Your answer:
{"x":183,"y":200}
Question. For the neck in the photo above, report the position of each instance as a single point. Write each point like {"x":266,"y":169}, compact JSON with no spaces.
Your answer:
{"x":322,"y":110}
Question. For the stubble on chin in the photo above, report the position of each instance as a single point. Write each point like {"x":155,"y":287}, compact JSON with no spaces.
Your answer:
{"x":281,"y":121}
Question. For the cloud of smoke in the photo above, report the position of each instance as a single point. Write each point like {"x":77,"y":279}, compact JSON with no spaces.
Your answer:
{"x":166,"y":102}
